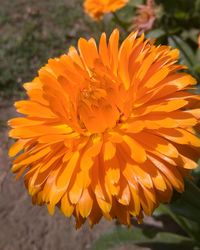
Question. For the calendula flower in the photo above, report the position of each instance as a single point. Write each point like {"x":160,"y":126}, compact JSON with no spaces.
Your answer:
{"x":97,"y":8}
{"x":199,"y":40}
{"x":145,"y":17}
{"x":107,"y":130}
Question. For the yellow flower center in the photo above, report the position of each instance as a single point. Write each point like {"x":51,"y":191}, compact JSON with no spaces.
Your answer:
{"x":98,"y":105}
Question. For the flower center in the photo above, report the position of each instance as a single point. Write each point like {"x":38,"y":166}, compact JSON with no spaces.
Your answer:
{"x":97,"y":108}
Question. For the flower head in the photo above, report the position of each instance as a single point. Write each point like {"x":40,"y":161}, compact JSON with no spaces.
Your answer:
{"x":97,"y":8}
{"x":145,"y":17}
{"x":199,"y":41}
{"x":107,"y":130}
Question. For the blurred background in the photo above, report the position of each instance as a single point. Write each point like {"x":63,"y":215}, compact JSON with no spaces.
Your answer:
{"x":31,"y":32}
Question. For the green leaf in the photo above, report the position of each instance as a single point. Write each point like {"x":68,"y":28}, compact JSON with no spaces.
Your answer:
{"x":188,"y":204}
{"x":192,"y":228}
{"x":181,"y":15}
{"x":135,"y":2}
{"x":187,"y":54}
{"x":185,"y":210}
{"x":198,"y":56}
{"x":191,"y":194}
{"x":156,"y":33}
{"x":191,"y":34}
{"x":139,"y":236}
{"x":197,"y":6}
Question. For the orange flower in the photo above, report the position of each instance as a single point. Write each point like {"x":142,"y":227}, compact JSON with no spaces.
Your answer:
{"x":145,"y":18}
{"x":108,"y":131}
{"x":97,"y":8}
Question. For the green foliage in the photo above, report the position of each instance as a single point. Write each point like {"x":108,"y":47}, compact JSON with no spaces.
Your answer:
{"x":184,"y":210}
{"x":180,"y":23}
{"x":143,"y":237}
